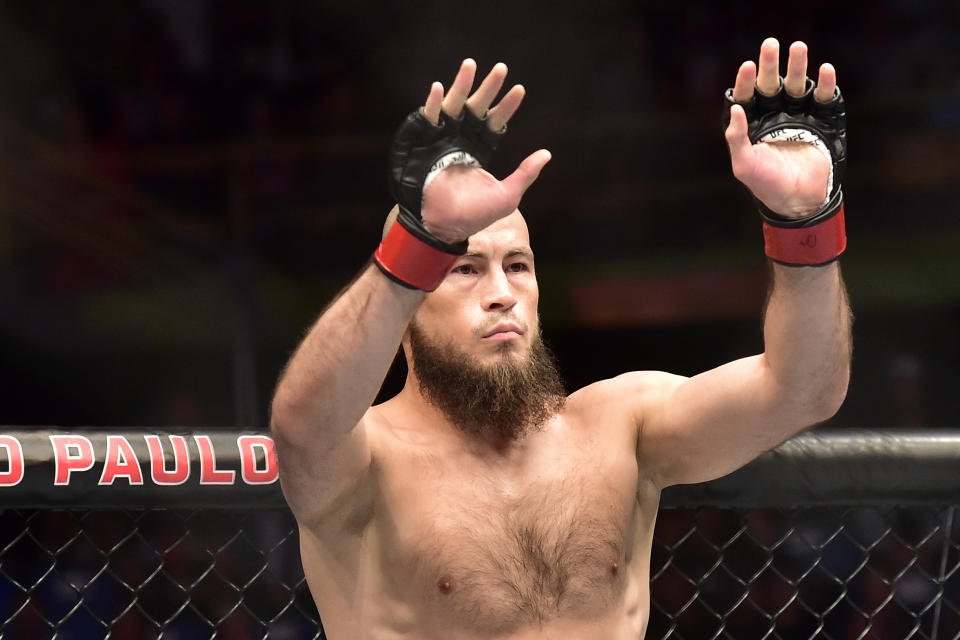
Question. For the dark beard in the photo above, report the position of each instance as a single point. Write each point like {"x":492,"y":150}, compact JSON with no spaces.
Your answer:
{"x":498,"y":402}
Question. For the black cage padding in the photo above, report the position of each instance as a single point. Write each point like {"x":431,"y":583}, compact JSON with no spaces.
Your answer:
{"x":821,"y":467}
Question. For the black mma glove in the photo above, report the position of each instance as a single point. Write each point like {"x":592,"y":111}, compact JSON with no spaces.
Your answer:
{"x":820,"y":237}
{"x":410,"y":255}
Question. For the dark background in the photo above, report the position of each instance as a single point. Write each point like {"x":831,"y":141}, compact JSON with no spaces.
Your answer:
{"x":185,"y":184}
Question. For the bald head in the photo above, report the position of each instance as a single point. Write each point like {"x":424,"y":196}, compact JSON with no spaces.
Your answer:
{"x":514,"y":221}
{"x":511,"y":229}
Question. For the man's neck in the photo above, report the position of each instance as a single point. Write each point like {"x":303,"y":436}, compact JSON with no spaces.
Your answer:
{"x":426,"y":417}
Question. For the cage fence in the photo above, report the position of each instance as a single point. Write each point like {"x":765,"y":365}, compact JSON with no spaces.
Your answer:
{"x":839,"y":535}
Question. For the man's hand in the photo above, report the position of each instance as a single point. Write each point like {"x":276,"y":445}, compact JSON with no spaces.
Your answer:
{"x":788,"y":177}
{"x":462,"y":200}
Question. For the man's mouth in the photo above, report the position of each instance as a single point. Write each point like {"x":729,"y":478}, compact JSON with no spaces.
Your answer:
{"x":503,"y":331}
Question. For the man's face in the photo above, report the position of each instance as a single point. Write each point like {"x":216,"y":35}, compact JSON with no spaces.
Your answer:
{"x":487,"y":304}
{"x":475,"y":343}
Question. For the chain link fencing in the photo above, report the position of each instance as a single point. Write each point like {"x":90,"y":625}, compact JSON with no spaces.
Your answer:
{"x":858,"y":572}
{"x":799,"y":565}
{"x":883,"y":573}
{"x":157,"y":574}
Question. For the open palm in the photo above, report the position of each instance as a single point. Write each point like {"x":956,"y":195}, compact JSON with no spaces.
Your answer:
{"x":462,"y":200}
{"x":791,"y":178}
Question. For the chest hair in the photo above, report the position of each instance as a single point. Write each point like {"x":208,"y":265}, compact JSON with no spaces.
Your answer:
{"x":495,"y":563}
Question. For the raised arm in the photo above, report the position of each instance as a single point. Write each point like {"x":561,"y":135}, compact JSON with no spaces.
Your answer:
{"x":336,"y":372}
{"x":700,"y":428}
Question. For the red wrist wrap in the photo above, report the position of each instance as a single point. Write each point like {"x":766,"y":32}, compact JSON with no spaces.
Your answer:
{"x":814,"y":245}
{"x":411,"y":262}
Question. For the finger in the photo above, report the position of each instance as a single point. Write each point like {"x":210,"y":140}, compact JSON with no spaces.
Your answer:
{"x":826,"y":83}
{"x":795,"y":81}
{"x":746,"y":79}
{"x":768,"y":75}
{"x":432,"y":106}
{"x":737,"y":140}
{"x":482,"y":98}
{"x":525,"y":175}
{"x":501,"y":114}
{"x":460,"y":89}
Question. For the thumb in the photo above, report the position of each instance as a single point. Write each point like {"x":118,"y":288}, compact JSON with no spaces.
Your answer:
{"x":525,"y":175}
{"x":741,"y":149}
{"x":736,"y":133}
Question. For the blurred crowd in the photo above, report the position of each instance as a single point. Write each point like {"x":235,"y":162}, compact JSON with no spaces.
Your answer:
{"x":186,"y":183}
{"x":193,"y":126}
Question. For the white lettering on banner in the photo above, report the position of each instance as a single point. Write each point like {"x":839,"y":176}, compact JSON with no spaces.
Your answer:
{"x":209,"y":474}
{"x":248,"y":460}
{"x":121,"y":461}
{"x":70,"y":453}
{"x":181,"y":461}
{"x":14,"y":473}
{"x":77,"y":453}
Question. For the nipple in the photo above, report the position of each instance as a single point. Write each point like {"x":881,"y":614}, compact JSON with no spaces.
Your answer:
{"x":613,"y":567}
{"x":445,"y":584}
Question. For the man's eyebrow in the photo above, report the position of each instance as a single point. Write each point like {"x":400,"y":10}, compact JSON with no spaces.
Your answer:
{"x":517,"y":251}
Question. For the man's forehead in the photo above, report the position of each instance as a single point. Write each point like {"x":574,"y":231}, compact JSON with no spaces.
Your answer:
{"x":508,"y":232}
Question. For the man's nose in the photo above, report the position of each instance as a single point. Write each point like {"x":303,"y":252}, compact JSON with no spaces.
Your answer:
{"x":498,"y":295}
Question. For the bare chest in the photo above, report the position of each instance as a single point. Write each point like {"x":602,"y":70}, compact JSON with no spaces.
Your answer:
{"x":496,"y":556}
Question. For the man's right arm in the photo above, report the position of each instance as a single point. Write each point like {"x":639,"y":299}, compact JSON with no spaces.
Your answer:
{"x":336,"y":372}
{"x":330,"y":382}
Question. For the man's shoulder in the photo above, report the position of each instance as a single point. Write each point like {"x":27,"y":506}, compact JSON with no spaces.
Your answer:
{"x":628,"y":397}
{"x":618,"y":407}
{"x":627,"y":385}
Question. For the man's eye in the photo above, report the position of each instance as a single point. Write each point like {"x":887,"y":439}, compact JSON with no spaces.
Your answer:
{"x":464,"y":269}
{"x":518,"y":266}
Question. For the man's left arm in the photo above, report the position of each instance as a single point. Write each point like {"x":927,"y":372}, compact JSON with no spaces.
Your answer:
{"x":696,"y":429}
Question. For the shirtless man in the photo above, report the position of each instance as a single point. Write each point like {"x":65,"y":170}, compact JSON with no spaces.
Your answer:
{"x":481,"y":501}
